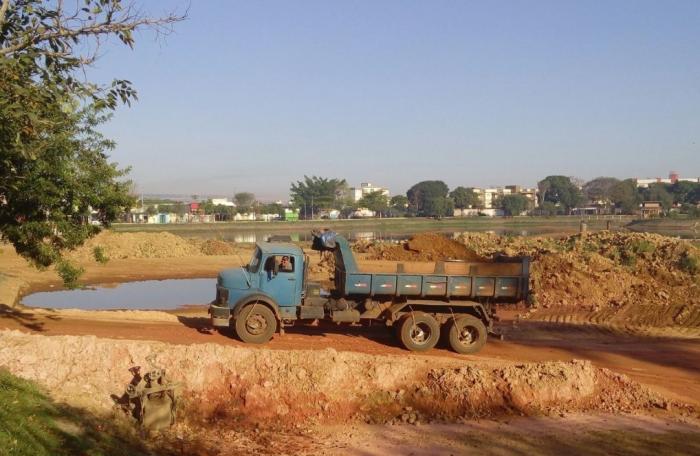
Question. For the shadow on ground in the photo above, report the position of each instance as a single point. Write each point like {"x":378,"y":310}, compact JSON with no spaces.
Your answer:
{"x":23,"y":317}
{"x":32,"y":424}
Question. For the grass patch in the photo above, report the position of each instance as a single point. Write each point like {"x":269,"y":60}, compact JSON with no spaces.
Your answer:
{"x":643,"y":247}
{"x":32,"y":424}
{"x":99,"y":253}
{"x":69,"y":273}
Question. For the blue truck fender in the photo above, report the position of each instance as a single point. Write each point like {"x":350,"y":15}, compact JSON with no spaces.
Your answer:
{"x":260,"y":298}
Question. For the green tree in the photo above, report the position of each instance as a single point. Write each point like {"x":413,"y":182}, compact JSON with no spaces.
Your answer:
{"x":179,"y":208}
{"x":514,"y":204}
{"x":625,"y":196}
{"x":375,"y":201}
{"x":658,"y":192}
{"x":54,"y":167}
{"x":316,"y":193}
{"x":465,"y":198}
{"x":438,"y":206}
{"x":599,"y":190}
{"x":272,"y":208}
{"x":683,"y":191}
{"x":244,"y":201}
{"x":398,"y":205}
{"x":694,"y":196}
{"x":422,"y":192}
{"x":560,"y":191}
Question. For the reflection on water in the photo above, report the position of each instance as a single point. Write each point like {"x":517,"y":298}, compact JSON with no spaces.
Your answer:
{"x":150,"y":294}
{"x":355,"y":235}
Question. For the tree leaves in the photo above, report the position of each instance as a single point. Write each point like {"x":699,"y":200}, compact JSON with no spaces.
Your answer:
{"x":54,"y":168}
{"x":315,"y":193}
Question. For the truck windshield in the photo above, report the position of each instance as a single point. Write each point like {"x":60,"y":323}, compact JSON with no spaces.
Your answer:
{"x":255,"y":261}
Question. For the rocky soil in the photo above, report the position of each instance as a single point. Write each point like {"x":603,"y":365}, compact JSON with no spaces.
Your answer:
{"x":263,"y":387}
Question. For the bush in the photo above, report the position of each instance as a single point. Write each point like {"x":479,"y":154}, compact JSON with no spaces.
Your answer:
{"x":70,"y":274}
{"x":100,"y":256}
{"x":689,"y":263}
{"x":643,"y":247}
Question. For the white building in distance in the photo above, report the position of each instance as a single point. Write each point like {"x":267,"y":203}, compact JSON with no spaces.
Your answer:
{"x":366,"y":188}
{"x":222,"y":202}
{"x":489,"y":196}
{"x":673,"y":177}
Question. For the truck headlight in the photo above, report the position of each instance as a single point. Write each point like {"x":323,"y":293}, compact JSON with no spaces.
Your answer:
{"x":221,"y":295}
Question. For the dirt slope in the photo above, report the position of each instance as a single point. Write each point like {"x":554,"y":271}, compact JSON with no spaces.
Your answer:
{"x":258,"y":385}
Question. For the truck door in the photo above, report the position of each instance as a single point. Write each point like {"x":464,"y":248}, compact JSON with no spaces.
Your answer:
{"x":280,"y":279}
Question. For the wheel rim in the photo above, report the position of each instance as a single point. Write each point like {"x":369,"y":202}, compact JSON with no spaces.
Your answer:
{"x":467,"y":335}
{"x":256,"y":324}
{"x":420,"y":333}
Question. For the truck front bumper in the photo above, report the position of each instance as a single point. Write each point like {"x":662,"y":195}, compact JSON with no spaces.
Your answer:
{"x":220,"y":315}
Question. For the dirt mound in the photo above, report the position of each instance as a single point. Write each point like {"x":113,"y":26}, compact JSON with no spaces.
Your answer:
{"x":259,"y":386}
{"x":137,"y":245}
{"x":149,"y":245}
{"x":537,"y":388}
{"x":620,"y":278}
{"x":217,"y":247}
{"x":421,"y":247}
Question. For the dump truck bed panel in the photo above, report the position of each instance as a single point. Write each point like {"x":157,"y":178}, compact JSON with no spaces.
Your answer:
{"x":432,"y":285}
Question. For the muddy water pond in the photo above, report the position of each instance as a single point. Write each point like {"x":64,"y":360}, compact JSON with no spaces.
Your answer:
{"x":146,"y":295}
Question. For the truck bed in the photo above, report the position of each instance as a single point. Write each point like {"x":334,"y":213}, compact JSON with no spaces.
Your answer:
{"x":502,"y":279}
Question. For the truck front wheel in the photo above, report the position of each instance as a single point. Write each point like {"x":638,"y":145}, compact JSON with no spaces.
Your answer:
{"x":419,"y":331}
{"x":255,"y":324}
{"x":467,"y":334}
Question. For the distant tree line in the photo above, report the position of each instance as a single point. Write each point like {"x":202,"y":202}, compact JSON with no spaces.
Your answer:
{"x":557,"y":195}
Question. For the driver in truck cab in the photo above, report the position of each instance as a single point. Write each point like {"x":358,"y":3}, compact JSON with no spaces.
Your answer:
{"x":285,"y":265}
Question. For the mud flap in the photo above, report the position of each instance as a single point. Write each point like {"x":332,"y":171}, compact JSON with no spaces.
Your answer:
{"x":497,"y":335}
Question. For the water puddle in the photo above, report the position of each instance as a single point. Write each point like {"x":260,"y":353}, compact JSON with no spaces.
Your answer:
{"x":146,"y":295}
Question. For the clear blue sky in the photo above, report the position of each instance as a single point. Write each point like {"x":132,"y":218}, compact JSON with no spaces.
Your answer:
{"x":249,"y":96}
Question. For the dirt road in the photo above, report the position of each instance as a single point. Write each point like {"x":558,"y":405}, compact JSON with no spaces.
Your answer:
{"x":669,"y":366}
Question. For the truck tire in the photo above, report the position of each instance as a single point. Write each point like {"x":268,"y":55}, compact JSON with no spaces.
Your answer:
{"x":418,"y":331}
{"x":466,"y":334}
{"x":255,"y":324}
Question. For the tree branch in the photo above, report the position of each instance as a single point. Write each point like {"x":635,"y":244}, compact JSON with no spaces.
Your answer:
{"x":128,"y":22}
{"x":3,"y":10}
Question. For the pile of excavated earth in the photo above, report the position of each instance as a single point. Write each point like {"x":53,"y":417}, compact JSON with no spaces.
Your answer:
{"x":254,"y":386}
{"x":621,"y":278}
{"x":149,"y":245}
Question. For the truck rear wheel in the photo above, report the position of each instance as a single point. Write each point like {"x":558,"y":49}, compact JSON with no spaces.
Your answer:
{"x":467,"y":334}
{"x":419,"y":331}
{"x":256,"y":323}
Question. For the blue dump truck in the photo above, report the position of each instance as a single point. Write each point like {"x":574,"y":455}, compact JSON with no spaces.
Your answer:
{"x":420,"y":301}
